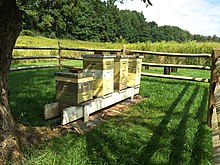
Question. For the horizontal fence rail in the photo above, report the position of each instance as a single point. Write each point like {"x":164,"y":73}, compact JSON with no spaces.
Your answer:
{"x":177,"y":66}
{"x":71,"y":58}
{"x":169,"y":54}
{"x":33,"y":67}
{"x":34,"y":57}
{"x":176,"y":77}
{"x":36,"y":48}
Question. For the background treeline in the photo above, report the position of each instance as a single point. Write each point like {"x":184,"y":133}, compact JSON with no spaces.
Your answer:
{"x":93,"y":20}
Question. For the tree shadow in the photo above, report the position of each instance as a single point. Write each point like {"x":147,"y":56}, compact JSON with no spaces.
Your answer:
{"x":179,"y":140}
{"x":153,"y":144}
{"x":109,"y":148}
{"x":29,"y":92}
{"x":198,"y":152}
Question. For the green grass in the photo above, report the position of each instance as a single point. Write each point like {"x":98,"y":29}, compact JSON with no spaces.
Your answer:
{"x":169,"y":127}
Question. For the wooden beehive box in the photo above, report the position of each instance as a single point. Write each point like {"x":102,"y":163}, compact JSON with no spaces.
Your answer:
{"x":134,"y":70}
{"x":120,"y":72}
{"x":101,"y":67}
{"x":73,"y":88}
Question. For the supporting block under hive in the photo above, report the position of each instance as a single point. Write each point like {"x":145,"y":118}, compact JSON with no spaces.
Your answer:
{"x":73,"y":113}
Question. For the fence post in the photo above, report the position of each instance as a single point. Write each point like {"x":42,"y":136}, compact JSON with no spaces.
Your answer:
{"x":59,"y":55}
{"x":173,"y":69}
{"x":213,"y":80}
{"x":166,"y":70}
{"x":98,"y":52}
{"x":124,"y":50}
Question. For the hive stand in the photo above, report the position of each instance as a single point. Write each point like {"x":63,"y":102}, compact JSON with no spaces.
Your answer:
{"x":73,"y":113}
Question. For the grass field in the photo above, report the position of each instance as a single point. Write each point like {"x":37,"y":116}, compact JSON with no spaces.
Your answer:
{"x":168,"y":127}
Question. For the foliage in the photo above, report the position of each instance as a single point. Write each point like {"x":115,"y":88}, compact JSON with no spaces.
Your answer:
{"x":96,"y":20}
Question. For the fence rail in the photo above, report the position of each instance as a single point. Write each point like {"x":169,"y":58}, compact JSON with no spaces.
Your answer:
{"x":177,"y":66}
{"x":169,"y":54}
{"x":33,"y":67}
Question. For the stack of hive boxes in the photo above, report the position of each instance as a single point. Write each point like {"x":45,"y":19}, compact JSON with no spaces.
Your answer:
{"x":101,"y":67}
{"x":102,"y":74}
{"x":134,"y":70}
{"x":73,"y":89}
{"x":120,"y":72}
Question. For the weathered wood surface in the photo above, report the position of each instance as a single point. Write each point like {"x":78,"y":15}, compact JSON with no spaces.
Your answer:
{"x":175,"y":77}
{"x":34,"y":57}
{"x":213,"y":80}
{"x":73,"y":113}
{"x":51,"y":110}
{"x":169,"y":54}
{"x":177,"y":66}
{"x":36,"y":48}
{"x":166,"y":70}
{"x":32,"y":67}
{"x":215,"y":138}
{"x":71,"y":58}
{"x":92,"y":50}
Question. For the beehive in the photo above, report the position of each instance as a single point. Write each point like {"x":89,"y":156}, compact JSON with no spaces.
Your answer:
{"x":134,"y":70}
{"x":101,"y":67}
{"x":73,"y":89}
{"x":120,"y":72}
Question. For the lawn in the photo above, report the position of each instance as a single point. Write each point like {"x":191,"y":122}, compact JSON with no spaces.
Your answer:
{"x":168,"y":127}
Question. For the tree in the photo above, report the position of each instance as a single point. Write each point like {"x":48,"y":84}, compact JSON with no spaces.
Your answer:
{"x":10,"y":27}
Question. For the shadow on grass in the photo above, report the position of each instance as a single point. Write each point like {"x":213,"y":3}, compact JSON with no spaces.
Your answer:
{"x":177,"y":144}
{"x":153,"y":144}
{"x":202,"y":136}
{"x":30,"y":91}
{"x":133,"y":138}
{"x":132,"y":152}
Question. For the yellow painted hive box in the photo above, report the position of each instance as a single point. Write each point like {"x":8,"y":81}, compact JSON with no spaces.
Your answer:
{"x":120,"y":72}
{"x":134,"y":70}
{"x":101,"y":67}
{"x":73,"y":88}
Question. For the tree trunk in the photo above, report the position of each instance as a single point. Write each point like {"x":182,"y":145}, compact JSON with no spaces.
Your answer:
{"x":10,"y":26}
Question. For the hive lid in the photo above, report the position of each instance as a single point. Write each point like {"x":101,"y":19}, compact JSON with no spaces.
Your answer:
{"x":98,"y":56}
{"x":122,"y":56}
{"x":71,"y":75}
{"x":135,"y":56}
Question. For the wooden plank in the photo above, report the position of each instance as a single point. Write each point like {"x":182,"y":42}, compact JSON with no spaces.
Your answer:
{"x":213,"y":80}
{"x":36,"y":48}
{"x":75,"y":112}
{"x":92,"y":50}
{"x":176,"y":77}
{"x":215,"y":138}
{"x":32,"y":67}
{"x":51,"y":111}
{"x":177,"y":66}
{"x":71,"y":67}
{"x":169,"y":54}
{"x":34,"y":57}
{"x":71,"y":58}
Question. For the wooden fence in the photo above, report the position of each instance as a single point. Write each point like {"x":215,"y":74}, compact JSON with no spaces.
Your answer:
{"x":167,"y":67}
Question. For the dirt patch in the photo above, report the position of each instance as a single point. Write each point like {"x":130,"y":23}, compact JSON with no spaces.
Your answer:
{"x":35,"y":135}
